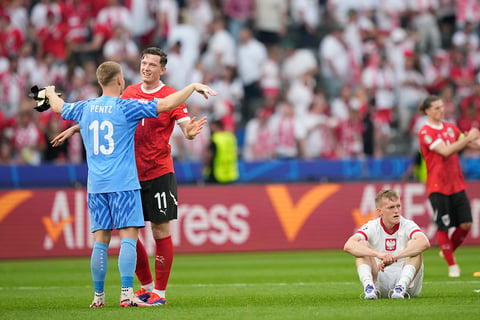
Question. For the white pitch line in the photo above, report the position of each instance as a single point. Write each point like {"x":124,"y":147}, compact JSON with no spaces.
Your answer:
{"x":262,"y":284}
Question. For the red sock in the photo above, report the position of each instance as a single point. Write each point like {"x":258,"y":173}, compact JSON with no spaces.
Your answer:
{"x":143,"y":267}
{"x":458,"y":236}
{"x":163,"y":262}
{"x":446,"y":247}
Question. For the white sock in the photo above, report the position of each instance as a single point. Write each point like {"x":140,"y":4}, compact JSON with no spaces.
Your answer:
{"x":127,"y":291}
{"x":365,"y":274}
{"x":406,"y":277}
{"x":100,"y":295}
{"x":148,"y":287}
{"x":161,"y":293}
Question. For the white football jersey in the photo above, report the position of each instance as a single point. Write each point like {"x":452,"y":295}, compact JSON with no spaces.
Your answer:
{"x":381,"y":240}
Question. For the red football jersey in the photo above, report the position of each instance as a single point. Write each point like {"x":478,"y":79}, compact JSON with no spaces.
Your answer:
{"x":444,"y":174}
{"x":152,"y":137}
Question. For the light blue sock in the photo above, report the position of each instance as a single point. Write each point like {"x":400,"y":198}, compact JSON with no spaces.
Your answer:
{"x":127,"y":261}
{"x":99,"y":265}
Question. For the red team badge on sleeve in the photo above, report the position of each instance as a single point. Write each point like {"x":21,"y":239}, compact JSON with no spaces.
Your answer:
{"x":390,"y":244}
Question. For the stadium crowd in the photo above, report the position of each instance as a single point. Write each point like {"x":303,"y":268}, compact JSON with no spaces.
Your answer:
{"x":306,"y":79}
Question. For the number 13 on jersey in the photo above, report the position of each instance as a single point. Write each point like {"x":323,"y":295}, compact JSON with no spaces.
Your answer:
{"x":107,"y":145}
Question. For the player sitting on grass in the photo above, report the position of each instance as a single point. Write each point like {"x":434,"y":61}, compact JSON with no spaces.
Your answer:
{"x":388,"y":251}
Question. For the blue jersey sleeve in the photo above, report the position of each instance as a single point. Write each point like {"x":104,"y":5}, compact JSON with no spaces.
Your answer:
{"x":136,"y":110}
{"x":73,"y":111}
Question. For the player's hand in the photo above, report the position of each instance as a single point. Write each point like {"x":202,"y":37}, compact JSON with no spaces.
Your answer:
{"x":387,"y":259}
{"x":50,"y":90}
{"x":39,"y":95}
{"x":194,"y":127}
{"x":204,"y":90}
{"x":58,"y":140}
{"x":381,"y":266}
{"x":473,"y":134}
{"x":385,"y":263}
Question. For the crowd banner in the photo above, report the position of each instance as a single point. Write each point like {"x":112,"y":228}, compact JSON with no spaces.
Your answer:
{"x":275,"y":171}
{"x":37,"y":223}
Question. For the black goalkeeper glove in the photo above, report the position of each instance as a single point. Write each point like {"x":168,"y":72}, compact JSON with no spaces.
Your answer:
{"x":39,"y":96}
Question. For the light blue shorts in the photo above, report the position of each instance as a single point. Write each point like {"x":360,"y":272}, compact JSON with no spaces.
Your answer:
{"x":115,"y":210}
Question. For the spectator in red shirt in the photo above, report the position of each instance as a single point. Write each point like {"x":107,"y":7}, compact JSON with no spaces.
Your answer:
{"x":462,"y":73}
{"x":436,"y":72}
{"x":114,"y":14}
{"x":469,"y":118}
{"x":51,"y":38}
{"x":92,"y":49}
{"x":75,"y":14}
{"x":11,"y":37}
{"x":473,"y":98}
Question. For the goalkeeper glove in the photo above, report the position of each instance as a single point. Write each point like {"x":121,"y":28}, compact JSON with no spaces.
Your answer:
{"x":39,"y":96}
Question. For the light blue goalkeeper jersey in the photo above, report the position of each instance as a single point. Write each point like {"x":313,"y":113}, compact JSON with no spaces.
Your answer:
{"x":107,"y":125}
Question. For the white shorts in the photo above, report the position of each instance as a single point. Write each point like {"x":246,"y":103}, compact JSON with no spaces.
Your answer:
{"x":386,"y":281}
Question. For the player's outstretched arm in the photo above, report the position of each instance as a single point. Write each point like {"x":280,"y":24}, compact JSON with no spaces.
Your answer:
{"x":55,"y":101}
{"x":64,"y":135}
{"x":175,"y":99}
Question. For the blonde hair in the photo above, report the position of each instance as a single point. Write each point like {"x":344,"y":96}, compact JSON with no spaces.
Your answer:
{"x":107,"y":71}
{"x":386,"y":193}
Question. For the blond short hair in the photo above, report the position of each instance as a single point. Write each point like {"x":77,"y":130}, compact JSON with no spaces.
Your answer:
{"x":107,"y":71}
{"x":385,"y":194}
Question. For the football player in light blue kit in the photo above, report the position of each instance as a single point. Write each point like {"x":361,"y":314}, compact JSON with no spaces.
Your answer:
{"x":107,"y":125}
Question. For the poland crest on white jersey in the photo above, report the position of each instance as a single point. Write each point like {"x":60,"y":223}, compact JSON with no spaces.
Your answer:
{"x":381,"y":240}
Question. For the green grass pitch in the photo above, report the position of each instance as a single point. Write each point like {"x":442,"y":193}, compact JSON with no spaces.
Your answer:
{"x":262,"y":285}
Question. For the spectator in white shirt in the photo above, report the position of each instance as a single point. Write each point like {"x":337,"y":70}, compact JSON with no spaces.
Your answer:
{"x":221,"y":49}
{"x":270,"y":20}
{"x":252,"y":54}
{"x":379,"y":80}
{"x":200,"y":14}
{"x":306,"y":19}
{"x":177,"y":71}
{"x":190,"y":40}
{"x":320,"y":141}
{"x":300,"y":95}
{"x":424,"y":22}
{"x":259,"y":138}
{"x":229,"y":88}
{"x":335,"y":62}
{"x":141,"y":10}
{"x":390,"y":14}
{"x":166,"y":16}
{"x":288,"y":132}
{"x":297,"y":63}
{"x":270,"y":80}
{"x":411,"y":91}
